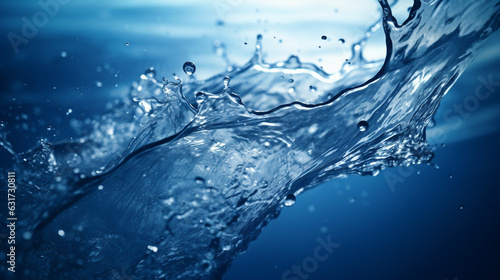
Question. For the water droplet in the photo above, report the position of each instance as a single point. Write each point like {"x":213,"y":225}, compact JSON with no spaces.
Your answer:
{"x":290,"y":200}
{"x":432,"y":123}
{"x":226,"y":81}
{"x":200,"y":97}
{"x":341,"y":40}
{"x":189,"y":68}
{"x":199,"y":180}
{"x":27,"y":235}
{"x":291,"y":80}
{"x":352,"y":199}
{"x":324,"y":37}
{"x":69,"y":111}
{"x":451,"y":176}
{"x":61,"y":233}
{"x":64,"y":54}
{"x":323,"y":229}
{"x":311,"y":208}
{"x":127,"y":44}
{"x":101,"y":187}
{"x":150,"y":72}
{"x":461,"y":206}
{"x":312,"y":88}
{"x":153,"y":248}
{"x":293,"y":62}
{"x":363,"y":126}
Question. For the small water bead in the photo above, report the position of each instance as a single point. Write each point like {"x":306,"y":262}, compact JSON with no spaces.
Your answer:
{"x":150,"y":72}
{"x":431,"y":123}
{"x":352,"y":199}
{"x":201,"y":97}
{"x":153,"y":248}
{"x":342,"y":41}
{"x":363,"y":126}
{"x":289,"y":200}
{"x":291,"y":80}
{"x":199,"y":180}
{"x":61,"y":233}
{"x":64,"y":54}
{"x":312,"y":88}
{"x":27,"y":235}
{"x":127,"y":44}
{"x":189,"y":68}
{"x":461,"y":206}
{"x":324,"y":37}
{"x":226,"y":81}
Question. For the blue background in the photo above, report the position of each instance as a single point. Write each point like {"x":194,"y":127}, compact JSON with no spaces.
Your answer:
{"x":426,"y":226}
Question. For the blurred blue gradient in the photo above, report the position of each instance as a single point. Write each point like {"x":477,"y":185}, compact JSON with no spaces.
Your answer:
{"x":424,"y":225}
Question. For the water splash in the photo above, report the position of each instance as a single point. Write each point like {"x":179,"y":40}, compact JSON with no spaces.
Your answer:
{"x":178,"y":179}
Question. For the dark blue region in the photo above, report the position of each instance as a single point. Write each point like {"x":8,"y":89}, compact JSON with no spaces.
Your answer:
{"x":430,"y":227}
{"x":412,"y":223}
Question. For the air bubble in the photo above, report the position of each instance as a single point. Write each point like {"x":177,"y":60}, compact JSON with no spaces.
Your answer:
{"x":189,"y":68}
{"x":363,"y":126}
{"x":289,"y":200}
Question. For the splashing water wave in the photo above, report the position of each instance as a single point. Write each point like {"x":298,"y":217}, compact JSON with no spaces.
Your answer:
{"x":173,"y":186}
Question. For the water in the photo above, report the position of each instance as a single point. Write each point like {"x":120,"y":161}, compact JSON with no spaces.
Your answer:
{"x":189,"y":68}
{"x":200,"y":167}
